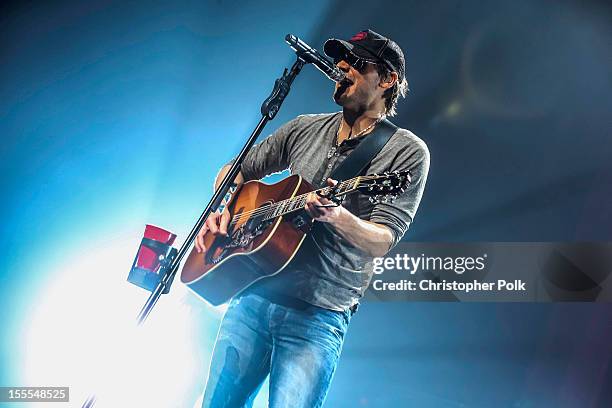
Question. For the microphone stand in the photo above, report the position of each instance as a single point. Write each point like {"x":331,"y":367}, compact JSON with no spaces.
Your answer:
{"x":269,"y":109}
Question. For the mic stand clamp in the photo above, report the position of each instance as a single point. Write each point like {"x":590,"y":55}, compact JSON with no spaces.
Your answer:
{"x":282,"y":85}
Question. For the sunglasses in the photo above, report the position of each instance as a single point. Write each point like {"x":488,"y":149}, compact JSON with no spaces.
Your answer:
{"x":354,"y":61}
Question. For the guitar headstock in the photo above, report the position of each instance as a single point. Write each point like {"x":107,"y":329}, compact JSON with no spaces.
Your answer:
{"x":384,"y":187}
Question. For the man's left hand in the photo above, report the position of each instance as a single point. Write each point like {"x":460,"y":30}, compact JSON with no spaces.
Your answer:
{"x":315,"y":207}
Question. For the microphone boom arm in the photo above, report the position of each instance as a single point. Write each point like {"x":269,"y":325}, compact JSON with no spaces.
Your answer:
{"x":311,"y":56}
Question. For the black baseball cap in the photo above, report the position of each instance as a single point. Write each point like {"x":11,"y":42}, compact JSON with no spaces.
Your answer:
{"x":372,"y":47}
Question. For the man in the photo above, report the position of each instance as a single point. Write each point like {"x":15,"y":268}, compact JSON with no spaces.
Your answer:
{"x":291,"y":326}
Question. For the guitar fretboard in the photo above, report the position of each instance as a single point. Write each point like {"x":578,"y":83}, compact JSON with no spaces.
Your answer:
{"x":296,"y":203}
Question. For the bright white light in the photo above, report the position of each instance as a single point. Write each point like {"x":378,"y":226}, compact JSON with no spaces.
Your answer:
{"x":83,"y":334}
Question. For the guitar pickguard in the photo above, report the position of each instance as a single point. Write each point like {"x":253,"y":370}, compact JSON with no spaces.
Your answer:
{"x":241,"y":238}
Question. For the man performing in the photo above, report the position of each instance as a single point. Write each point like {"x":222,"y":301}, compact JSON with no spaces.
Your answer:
{"x":292,"y":325}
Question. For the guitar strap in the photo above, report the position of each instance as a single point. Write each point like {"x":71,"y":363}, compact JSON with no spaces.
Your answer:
{"x":357,"y":162}
{"x":364,"y":153}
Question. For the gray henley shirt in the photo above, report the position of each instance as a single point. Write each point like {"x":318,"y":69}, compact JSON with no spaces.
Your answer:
{"x":329,"y":271}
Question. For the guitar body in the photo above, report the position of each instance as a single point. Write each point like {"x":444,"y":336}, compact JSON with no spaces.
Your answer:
{"x":253,"y":249}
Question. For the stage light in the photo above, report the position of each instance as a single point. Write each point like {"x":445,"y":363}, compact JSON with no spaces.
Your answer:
{"x":82,"y":333}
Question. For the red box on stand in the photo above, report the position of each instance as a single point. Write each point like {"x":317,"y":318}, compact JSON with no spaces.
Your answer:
{"x":154,"y":254}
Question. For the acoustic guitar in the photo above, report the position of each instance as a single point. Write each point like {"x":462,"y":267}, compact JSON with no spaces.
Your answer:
{"x":267,"y":226}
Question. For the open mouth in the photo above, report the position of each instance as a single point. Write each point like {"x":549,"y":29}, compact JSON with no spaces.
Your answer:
{"x":347,"y":82}
{"x":342,"y":87}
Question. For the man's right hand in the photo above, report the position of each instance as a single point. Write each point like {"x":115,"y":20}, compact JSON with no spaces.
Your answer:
{"x":217,"y":224}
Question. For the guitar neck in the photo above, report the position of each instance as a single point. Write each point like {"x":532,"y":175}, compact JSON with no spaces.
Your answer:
{"x":296,"y":203}
{"x":380,"y":188}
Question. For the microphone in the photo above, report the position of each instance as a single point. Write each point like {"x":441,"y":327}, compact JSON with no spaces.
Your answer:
{"x":309,"y":55}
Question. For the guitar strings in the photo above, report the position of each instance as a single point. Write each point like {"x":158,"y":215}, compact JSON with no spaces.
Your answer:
{"x":275,"y":206}
{"x":271,"y":209}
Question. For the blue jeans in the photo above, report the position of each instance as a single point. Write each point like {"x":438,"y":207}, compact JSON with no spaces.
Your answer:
{"x":299,"y":349}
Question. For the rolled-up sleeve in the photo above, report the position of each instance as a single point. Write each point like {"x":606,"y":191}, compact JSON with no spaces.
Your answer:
{"x":272,"y":155}
{"x":398,"y":215}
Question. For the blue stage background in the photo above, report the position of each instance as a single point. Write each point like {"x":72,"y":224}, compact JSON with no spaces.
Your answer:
{"x":118,"y":114}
